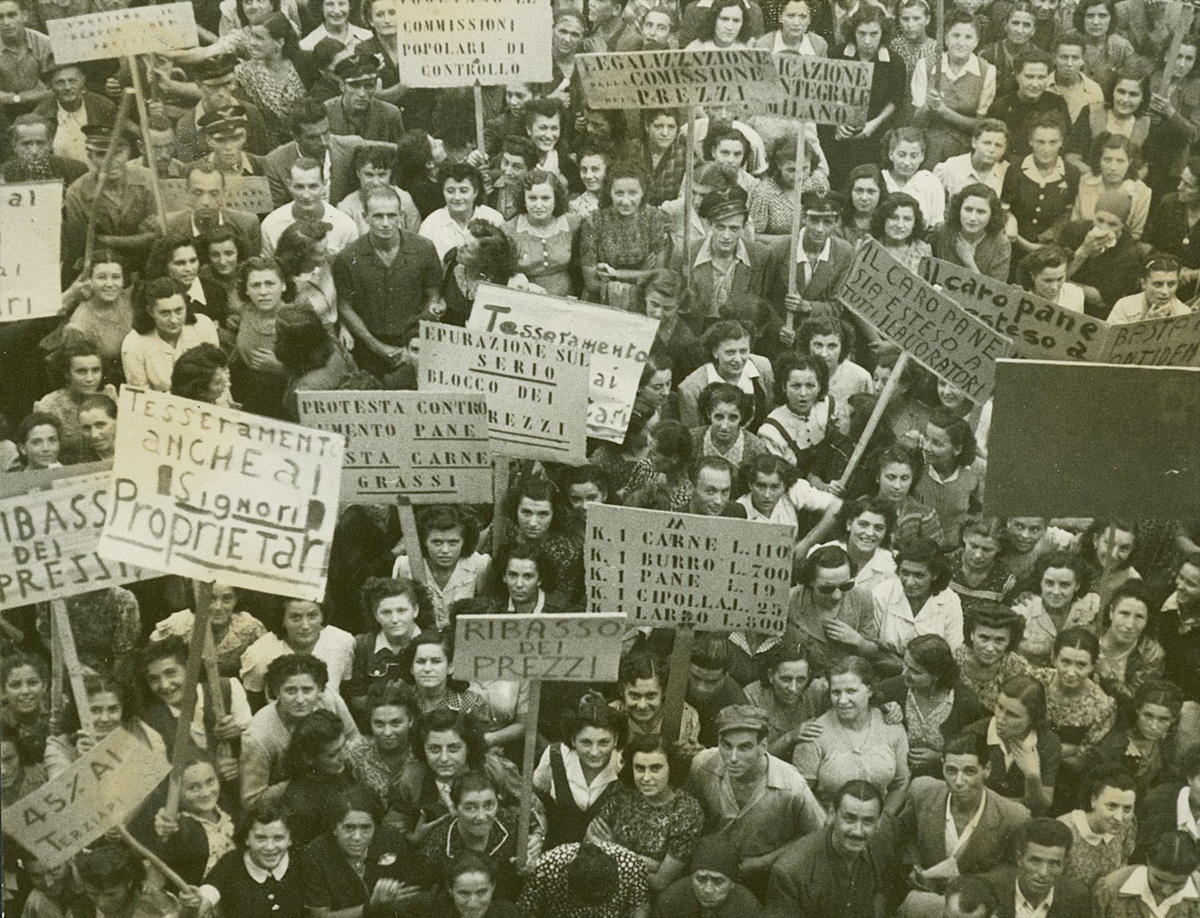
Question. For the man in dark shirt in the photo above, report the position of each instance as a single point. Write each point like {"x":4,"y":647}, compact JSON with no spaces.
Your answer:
{"x":847,"y":869}
{"x":218,"y":87}
{"x":1032,"y":71}
{"x":710,"y":687}
{"x":30,"y":138}
{"x":385,"y":280}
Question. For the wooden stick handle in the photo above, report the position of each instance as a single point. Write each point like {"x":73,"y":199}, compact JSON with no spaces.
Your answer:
{"x":187,"y":708}
{"x":412,"y":540}
{"x":797,"y":215}
{"x":677,"y":679}
{"x":864,"y":441}
{"x":102,"y":179}
{"x":158,"y":863}
{"x":71,"y":665}
{"x":499,"y":492}
{"x":528,"y":764}
{"x":480,"y":139}
{"x":139,"y":93}
{"x":203,"y":591}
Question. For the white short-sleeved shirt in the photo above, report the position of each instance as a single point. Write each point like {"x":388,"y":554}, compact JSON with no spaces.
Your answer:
{"x":334,"y":646}
{"x":897,"y":625}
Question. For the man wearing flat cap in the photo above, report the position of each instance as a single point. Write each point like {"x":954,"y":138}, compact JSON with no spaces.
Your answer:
{"x":71,"y":108}
{"x":724,"y":265}
{"x":218,"y":88}
{"x":758,"y":802}
{"x":356,"y":111}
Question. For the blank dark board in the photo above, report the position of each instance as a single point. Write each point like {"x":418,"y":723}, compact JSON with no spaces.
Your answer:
{"x":1092,"y":440}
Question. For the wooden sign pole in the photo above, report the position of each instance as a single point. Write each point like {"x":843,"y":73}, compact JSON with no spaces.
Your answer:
{"x":528,"y":764}
{"x":797,"y":215}
{"x":157,"y":862}
{"x":499,"y":493}
{"x":935,"y":78}
{"x":202,"y":592}
{"x":1186,"y":14}
{"x":689,"y":174}
{"x":187,"y":709}
{"x":70,"y":664}
{"x":412,"y":540}
{"x":677,"y":680}
{"x":479,"y":132}
{"x":889,"y":388}
{"x":58,"y":698}
{"x":144,"y":117}
{"x":102,"y":179}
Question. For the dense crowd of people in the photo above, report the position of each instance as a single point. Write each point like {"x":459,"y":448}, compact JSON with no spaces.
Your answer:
{"x":966,"y":716}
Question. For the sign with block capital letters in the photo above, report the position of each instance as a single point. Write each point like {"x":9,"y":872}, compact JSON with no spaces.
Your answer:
{"x":214,"y":493}
{"x":823,"y":90}
{"x":671,"y":79}
{"x":96,"y":793}
{"x":30,"y":245}
{"x":536,"y":390}
{"x":464,"y":42}
{"x":123,"y":32}
{"x":428,"y":447}
{"x":672,"y":569}
{"x":574,"y":647}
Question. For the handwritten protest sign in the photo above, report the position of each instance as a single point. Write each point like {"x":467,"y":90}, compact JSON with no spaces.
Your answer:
{"x":536,"y":390}
{"x":1084,"y":440}
{"x":427,"y":447}
{"x":1173,"y":342}
{"x":1038,"y":328}
{"x":251,"y":193}
{"x":577,"y":647}
{"x":461,"y":42}
{"x":663,"y":79}
{"x":946,"y":340}
{"x":49,"y":542}
{"x":30,"y":246}
{"x":204,"y":491}
{"x":120,"y":32}
{"x":618,"y":342}
{"x":96,"y":793}
{"x":669,"y":569}
{"x":823,"y":90}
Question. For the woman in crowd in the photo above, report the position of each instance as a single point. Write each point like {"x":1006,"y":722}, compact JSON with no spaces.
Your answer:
{"x":221,"y":254}
{"x":649,"y":813}
{"x":973,"y":234}
{"x":1040,"y":191}
{"x":1107,"y":549}
{"x":17,"y":778}
{"x":624,"y":242}
{"x":445,"y":744}
{"x":1146,"y":743}
{"x":1025,"y":752}
{"x":393,"y":613}
{"x":239,"y":879}
{"x":642,"y":686}
{"x":801,"y":426}
{"x":917,"y":600}
{"x":543,"y":234}
{"x":1063,"y":600}
{"x":976,"y":574}
{"x":1124,"y":112}
{"x":38,"y":440}
{"x":379,"y":757}
{"x":202,"y":374}
{"x":355,"y":866}
{"x":1174,"y":105}
{"x":792,"y":695}
{"x":834,"y":342}
{"x":773,"y":200}
{"x":257,"y":376}
{"x":1044,"y":272}
{"x":163,"y":328}
{"x":201,"y":833}
{"x":660,"y":481}
{"x":101,"y":311}
{"x":727,"y":344}
{"x":25,"y":704}
{"x":1104,"y":51}
{"x":1160,"y":277}
{"x":868,"y":521}
{"x":425,"y":664}
{"x":299,"y":628}
{"x":315,"y":768}
{"x":468,"y":891}
{"x":1020,"y":25}
{"x":727,"y":26}
{"x":988,"y":657}
{"x":179,"y":259}
{"x":78,"y":365}
{"x":1115,"y":165}
{"x":486,"y":255}
{"x":934,"y":702}
{"x":335,"y":24}
{"x":898,"y":224}
{"x":953,"y":481}
{"x":462,"y":190}
{"x":594,"y":164}
{"x":866,"y":190}
{"x":454,"y":570}
{"x":723,"y":407}
{"x":950,"y":94}
{"x":793,"y":34}
{"x":1104,"y":831}
{"x":271,"y":78}
{"x":573,"y":777}
{"x":478,"y":824}
{"x":110,"y":707}
{"x":1129,"y":656}
{"x":1077,"y":709}
{"x":897,"y":471}
{"x":855,"y":741}
{"x":302,"y":253}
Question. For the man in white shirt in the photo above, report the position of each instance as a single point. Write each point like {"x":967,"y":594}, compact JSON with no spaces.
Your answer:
{"x":773,"y":500}
{"x":307,"y":186}
{"x":984,"y":164}
{"x":71,"y":110}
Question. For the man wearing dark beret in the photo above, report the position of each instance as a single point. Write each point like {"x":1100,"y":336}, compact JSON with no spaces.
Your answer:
{"x":356,"y":111}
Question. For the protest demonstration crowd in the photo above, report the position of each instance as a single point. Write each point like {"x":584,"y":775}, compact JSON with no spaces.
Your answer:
{"x":498,"y":459}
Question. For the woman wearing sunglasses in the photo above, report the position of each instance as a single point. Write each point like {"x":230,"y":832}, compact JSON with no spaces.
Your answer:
{"x":829,"y":613}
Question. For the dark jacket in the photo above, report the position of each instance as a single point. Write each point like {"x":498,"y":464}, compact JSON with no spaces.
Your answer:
{"x":1071,"y":898}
